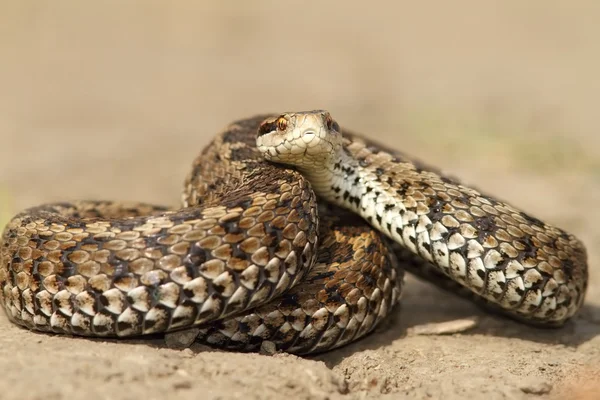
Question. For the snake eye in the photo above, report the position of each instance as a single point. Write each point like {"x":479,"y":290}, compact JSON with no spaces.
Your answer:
{"x":335,"y":126}
{"x":331,"y":124}
{"x":281,"y":124}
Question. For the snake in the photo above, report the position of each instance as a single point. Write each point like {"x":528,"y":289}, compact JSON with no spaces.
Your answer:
{"x":291,"y":231}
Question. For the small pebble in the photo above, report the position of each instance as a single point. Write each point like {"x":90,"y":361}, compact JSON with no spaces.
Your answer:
{"x":182,"y":385}
{"x":268,"y":348}
{"x":537,"y":388}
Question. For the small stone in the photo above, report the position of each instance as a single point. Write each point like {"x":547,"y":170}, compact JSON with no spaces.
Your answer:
{"x":182,"y":385}
{"x":187,"y":353}
{"x":268,"y":348}
{"x":536,"y":387}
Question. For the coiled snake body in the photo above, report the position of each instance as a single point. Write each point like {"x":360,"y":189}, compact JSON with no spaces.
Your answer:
{"x":253,"y":257}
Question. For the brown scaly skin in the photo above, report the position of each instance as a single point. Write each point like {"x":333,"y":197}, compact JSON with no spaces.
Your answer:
{"x":354,"y":284}
{"x":247,"y":234}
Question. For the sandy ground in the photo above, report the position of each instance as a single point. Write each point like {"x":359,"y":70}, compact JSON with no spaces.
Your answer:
{"x":114,"y":99}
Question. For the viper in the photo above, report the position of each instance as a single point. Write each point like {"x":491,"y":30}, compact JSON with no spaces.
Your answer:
{"x":291,"y":231}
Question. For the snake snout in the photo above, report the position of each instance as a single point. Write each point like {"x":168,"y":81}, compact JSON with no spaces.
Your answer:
{"x":308,"y":135}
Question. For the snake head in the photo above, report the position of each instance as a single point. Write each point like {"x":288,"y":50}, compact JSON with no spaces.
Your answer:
{"x":308,"y":139}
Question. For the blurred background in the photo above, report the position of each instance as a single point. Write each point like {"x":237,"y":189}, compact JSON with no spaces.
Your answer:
{"x":113,"y":99}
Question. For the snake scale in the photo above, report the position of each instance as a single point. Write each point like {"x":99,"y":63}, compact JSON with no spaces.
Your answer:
{"x":290,"y":233}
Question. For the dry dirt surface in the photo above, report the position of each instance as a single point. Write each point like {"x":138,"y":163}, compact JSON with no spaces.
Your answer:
{"x":113,"y":99}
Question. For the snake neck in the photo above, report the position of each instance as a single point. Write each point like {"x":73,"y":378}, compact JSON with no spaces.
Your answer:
{"x":358,"y":186}
{"x":339,"y":180}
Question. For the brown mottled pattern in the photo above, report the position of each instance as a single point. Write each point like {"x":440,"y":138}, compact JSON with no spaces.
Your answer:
{"x":464,"y":239}
{"x":352,"y":287}
{"x":236,"y":259}
{"x":247,"y":234}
